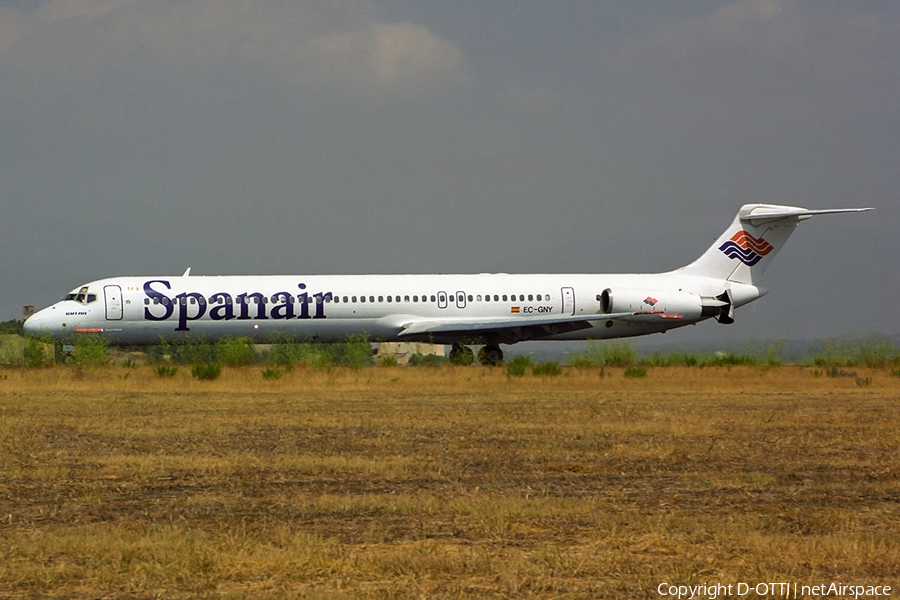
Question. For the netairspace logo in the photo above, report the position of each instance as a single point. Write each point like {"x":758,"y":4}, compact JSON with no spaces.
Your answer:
{"x":771,"y":590}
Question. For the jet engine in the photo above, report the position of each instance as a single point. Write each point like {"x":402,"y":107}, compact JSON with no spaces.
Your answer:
{"x":657,"y":303}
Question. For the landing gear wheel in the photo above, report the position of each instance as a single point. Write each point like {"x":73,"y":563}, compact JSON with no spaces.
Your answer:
{"x":490,"y":355}
{"x":461,"y":355}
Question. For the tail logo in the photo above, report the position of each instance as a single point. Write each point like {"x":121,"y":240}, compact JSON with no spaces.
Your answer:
{"x":746,"y":248}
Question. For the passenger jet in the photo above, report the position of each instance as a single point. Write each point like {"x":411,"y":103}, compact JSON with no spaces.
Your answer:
{"x":461,"y":310}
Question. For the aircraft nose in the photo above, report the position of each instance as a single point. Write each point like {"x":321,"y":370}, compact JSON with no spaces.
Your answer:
{"x":39,"y":323}
{"x":32,"y":324}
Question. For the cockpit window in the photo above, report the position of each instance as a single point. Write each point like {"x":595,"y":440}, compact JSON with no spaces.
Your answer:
{"x":82,"y":296}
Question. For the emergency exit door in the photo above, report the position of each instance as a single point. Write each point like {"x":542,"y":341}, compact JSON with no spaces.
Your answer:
{"x":568,"y":301}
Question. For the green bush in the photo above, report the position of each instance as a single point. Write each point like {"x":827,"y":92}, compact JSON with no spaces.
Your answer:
{"x":604,"y":353}
{"x":206,"y":371}
{"x":635,"y":372}
{"x":166,"y":371}
{"x":12,"y":327}
{"x":355,"y":352}
{"x":272,"y":374}
{"x":90,"y":351}
{"x":192,"y":352}
{"x":427,"y":360}
{"x":517,"y":366}
{"x":38,"y":353}
{"x":674,"y":358}
{"x":723,"y":359}
{"x":548,"y":369}
{"x":236,"y":352}
{"x":288,"y":353}
{"x":876,"y":351}
{"x":388,"y":360}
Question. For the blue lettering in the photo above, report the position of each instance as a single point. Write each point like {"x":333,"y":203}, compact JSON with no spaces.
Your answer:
{"x":183,"y":304}
{"x":221,"y":312}
{"x":285,"y":310}
{"x":158,"y":297}
{"x":304,"y":302}
{"x":320,"y":304}
{"x":243,"y":300}
{"x":193,"y":306}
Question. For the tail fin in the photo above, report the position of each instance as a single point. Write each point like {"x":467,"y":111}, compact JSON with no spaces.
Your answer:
{"x":746,"y":249}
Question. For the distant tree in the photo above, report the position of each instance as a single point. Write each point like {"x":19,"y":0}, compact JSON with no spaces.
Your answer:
{"x":12,"y":327}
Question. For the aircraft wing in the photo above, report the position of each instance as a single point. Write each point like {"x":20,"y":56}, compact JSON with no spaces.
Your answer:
{"x":516,"y":329}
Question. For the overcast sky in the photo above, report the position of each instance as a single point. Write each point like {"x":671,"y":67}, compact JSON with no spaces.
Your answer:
{"x":353,"y":136}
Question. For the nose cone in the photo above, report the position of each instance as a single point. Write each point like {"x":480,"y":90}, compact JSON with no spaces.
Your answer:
{"x":42,"y":323}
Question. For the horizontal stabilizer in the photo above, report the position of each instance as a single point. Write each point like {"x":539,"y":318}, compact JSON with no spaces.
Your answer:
{"x":766,"y":214}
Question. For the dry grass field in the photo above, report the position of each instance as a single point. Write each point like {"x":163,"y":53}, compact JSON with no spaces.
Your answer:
{"x":451,"y":482}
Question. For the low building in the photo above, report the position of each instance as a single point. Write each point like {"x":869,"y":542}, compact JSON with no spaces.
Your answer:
{"x":403,"y":351}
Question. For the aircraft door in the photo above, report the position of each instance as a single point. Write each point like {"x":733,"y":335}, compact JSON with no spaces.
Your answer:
{"x":113,"y":296}
{"x":442,"y":299}
{"x":568,"y":301}
{"x":460,"y":299}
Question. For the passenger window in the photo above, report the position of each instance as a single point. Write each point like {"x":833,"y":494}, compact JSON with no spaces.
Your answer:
{"x":470,"y":297}
{"x":433,"y":299}
{"x":371,"y":298}
{"x":362,"y":298}
{"x":156,"y":301}
{"x":496,"y":298}
{"x":398,"y":298}
{"x":478,"y":298}
{"x":146,"y":301}
{"x":345,"y":299}
{"x":504,"y":298}
{"x":381,"y":298}
{"x":531,"y":297}
{"x":193,"y":300}
{"x":389,"y":299}
{"x":228,"y":300}
{"x":415,"y":298}
{"x":405,"y":298}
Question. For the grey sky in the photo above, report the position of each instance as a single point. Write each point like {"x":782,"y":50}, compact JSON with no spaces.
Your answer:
{"x":345,"y":136}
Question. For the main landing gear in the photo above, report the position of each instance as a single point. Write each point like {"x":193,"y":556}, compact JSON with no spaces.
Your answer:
{"x":490,"y":355}
{"x":463,"y":355}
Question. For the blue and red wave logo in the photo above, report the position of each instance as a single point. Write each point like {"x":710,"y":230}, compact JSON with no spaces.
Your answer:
{"x":746,"y":248}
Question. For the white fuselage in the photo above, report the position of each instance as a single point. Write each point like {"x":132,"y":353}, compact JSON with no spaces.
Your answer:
{"x":144,"y":310}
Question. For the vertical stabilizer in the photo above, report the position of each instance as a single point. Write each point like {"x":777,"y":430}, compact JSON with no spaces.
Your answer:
{"x":746,"y":249}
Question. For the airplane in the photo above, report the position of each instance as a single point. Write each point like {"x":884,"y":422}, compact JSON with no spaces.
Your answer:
{"x":459,"y":310}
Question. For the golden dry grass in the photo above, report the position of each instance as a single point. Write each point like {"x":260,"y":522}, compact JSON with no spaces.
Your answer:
{"x":443,"y":483}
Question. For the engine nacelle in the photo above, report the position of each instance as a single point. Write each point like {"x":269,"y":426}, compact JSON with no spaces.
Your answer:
{"x":656,"y":303}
